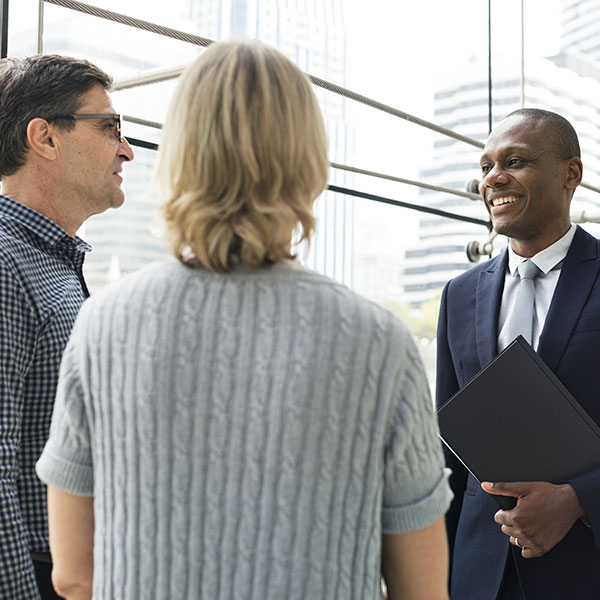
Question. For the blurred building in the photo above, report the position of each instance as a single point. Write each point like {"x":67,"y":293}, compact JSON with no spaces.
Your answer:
{"x":567,"y":83}
{"x":580,"y":26}
{"x":310,"y":34}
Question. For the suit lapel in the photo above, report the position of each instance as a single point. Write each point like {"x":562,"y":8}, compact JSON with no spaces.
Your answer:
{"x":487,"y":307}
{"x":578,"y":274}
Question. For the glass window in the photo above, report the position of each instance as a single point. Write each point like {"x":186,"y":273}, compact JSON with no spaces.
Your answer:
{"x":428,"y":59}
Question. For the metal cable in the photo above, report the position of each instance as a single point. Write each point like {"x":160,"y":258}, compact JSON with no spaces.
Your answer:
{"x":166,"y":74}
{"x":425,"y":209}
{"x":149,"y":77}
{"x":348,"y":192}
{"x":581,"y":217}
{"x":587,"y":186}
{"x":145,"y":122}
{"x":132,"y":22}
{"x":200,"y":41}
{"x":141,"y":143}
{"x":420,"y":184}
{"x":427,"y":186}
{"x":332,"y":87}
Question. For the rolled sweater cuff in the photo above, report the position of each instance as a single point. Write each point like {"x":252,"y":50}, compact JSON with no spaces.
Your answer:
{"x":65,"y":475}
{"x":419,"y":514}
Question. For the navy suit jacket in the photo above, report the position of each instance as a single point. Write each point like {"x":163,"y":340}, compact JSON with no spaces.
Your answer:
{"x":570,"y":346}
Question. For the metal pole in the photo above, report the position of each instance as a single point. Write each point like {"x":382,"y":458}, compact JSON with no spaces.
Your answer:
{"x":522,"y":53}
{"x":40,"y":40}
{"x":3,"y":28}
{"x":490,"y":66}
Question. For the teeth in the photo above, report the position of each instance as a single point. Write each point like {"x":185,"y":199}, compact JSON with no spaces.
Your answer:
{"x":505,"y":200}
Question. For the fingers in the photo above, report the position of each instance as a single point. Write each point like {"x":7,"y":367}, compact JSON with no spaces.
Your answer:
{"x":517,"y":537}
{"x":515,"y":489}
{"x":541,"y":518}
{"x":527,"y":551}
{"x":531,"y":552}
{"x":505,"y":518}
{"x":520,"y":542}
{"x":513,"y":530}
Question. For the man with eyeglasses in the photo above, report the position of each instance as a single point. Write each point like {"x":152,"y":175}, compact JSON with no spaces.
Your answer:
{"x":61,"y":157}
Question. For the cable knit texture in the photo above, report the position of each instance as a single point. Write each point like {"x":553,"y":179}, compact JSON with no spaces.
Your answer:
{"x":248,"y":435}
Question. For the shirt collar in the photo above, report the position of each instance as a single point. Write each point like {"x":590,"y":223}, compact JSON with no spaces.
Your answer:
{"x":548,"y":258}
{"x":40,"y":225}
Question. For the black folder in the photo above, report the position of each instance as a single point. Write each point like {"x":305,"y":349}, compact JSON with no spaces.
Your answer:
{"x":515,"y":421}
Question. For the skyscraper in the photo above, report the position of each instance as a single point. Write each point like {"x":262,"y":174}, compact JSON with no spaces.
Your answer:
{"x":567,"y":83}
{"x":580,"y":25}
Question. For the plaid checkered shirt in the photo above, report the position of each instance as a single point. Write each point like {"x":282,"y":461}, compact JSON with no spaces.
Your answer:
{"x":41,"y":291}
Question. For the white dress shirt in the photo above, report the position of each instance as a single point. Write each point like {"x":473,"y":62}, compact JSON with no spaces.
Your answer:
{"x":549,"y":261}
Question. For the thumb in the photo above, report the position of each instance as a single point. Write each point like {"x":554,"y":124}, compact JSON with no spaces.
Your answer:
{"x":499,"y":488}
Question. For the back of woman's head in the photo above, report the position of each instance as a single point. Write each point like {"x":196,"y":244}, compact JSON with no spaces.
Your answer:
{"x":244,"y":156}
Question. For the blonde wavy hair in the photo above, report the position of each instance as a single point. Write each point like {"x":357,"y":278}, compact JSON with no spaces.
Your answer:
{"x":243,"y":157}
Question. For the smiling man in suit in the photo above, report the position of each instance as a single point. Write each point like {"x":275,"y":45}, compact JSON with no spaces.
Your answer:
{"x":548,"y":546}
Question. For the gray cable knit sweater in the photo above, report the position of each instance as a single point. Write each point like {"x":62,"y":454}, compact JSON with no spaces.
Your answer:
{"x":248,"y":435}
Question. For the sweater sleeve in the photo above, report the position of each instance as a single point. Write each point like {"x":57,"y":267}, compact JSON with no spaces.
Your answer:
{"x":416,"y":490}
{"x":66,"y":462}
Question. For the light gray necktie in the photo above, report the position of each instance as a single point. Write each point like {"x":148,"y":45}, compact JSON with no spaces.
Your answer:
{"x":521,"y":321}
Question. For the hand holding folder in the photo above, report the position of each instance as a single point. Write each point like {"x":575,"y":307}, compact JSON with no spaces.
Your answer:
{"x":544,"y":514}
{"x":515,"y":421}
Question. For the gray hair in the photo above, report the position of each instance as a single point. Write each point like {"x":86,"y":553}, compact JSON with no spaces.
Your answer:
{"x":40,"y":86}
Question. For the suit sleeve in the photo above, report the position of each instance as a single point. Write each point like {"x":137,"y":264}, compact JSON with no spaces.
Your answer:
{"x":446,"y":387}
{"x":587,"y":487}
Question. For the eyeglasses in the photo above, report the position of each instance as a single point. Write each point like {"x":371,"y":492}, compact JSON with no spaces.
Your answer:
{"x":115,"y":118}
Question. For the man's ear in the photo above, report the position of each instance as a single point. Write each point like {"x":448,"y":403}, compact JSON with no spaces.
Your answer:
{"x":574,"y":173}
{"x":40,"y":138}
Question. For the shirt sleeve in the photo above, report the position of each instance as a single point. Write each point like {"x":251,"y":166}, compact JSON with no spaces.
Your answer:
{"x":416,"y":490}
{"x":66,"y":462}
{"x":18,"y":334}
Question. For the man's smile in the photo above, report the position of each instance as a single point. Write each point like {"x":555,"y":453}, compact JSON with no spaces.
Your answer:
{"x":500,"y":200}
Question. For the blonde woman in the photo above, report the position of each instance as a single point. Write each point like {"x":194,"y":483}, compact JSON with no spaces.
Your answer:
{"x":230,"y":424}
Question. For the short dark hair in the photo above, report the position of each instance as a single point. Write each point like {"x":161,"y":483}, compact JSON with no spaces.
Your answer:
{"x":561,"y":133}
{"x":45,"y":85}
